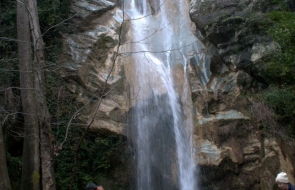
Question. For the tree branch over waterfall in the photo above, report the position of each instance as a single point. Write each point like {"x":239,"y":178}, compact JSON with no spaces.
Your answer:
{"x":161,"y":51}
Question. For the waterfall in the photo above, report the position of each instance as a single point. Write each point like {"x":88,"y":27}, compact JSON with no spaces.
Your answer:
{"x":161,"y":45}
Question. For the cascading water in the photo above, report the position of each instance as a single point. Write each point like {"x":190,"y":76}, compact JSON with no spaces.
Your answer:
{"x":162,"y":127}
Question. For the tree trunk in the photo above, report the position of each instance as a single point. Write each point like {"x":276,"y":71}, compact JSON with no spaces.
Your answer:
{"x":31,"y":163}
{"x":48,"y":179}
{"x":5,"y":182}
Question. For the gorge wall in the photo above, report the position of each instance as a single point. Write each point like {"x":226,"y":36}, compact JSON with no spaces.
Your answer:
{"x":232,"y":150}
{"x":240,"y":156}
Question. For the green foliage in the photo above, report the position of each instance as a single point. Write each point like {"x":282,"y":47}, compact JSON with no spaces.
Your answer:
{"x":283,"y":4}
{"x":8,"y":45}
{"x":257,"y":23}
{"x":60,"y":101}
{"x":9,"y":77}
{"x":95,"y":159}
{"x":281,"y":65}
{"x":14,"y":169}
{"x":52,"y":12}
{"x":8,"y":28}
{"x":282,"y":102}
{"x":95,"y":154}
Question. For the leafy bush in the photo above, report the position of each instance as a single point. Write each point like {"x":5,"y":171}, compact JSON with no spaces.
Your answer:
{"x":14,"y":170}
{"x":281,"y":65}
{"x":282,"y":101}
{"x":95,"y":159}
{"x":52,"y":12}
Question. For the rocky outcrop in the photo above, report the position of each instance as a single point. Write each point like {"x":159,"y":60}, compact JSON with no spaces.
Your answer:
{"x":232,"y":150}
{"x":236,"y":29}
{"x":88,"y":60}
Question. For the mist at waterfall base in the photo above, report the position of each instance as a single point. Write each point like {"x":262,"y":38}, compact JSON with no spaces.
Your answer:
{"x":161,"y":126}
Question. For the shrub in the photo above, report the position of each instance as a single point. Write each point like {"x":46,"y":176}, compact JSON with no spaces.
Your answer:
{"x":282,"y":64}
{"x":282,"y":101}
{"x":94,"y":160}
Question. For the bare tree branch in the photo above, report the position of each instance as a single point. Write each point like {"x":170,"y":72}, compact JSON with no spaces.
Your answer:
{"x":161,"y":51}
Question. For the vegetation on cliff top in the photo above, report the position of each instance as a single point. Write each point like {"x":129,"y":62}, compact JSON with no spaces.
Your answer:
{"x":281,"y":67}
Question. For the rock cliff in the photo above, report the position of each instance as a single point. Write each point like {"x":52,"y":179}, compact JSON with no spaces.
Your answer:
{"x":232,"y":150}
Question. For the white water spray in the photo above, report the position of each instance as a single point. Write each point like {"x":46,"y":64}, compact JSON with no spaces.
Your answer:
{"x":162,"y":39}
